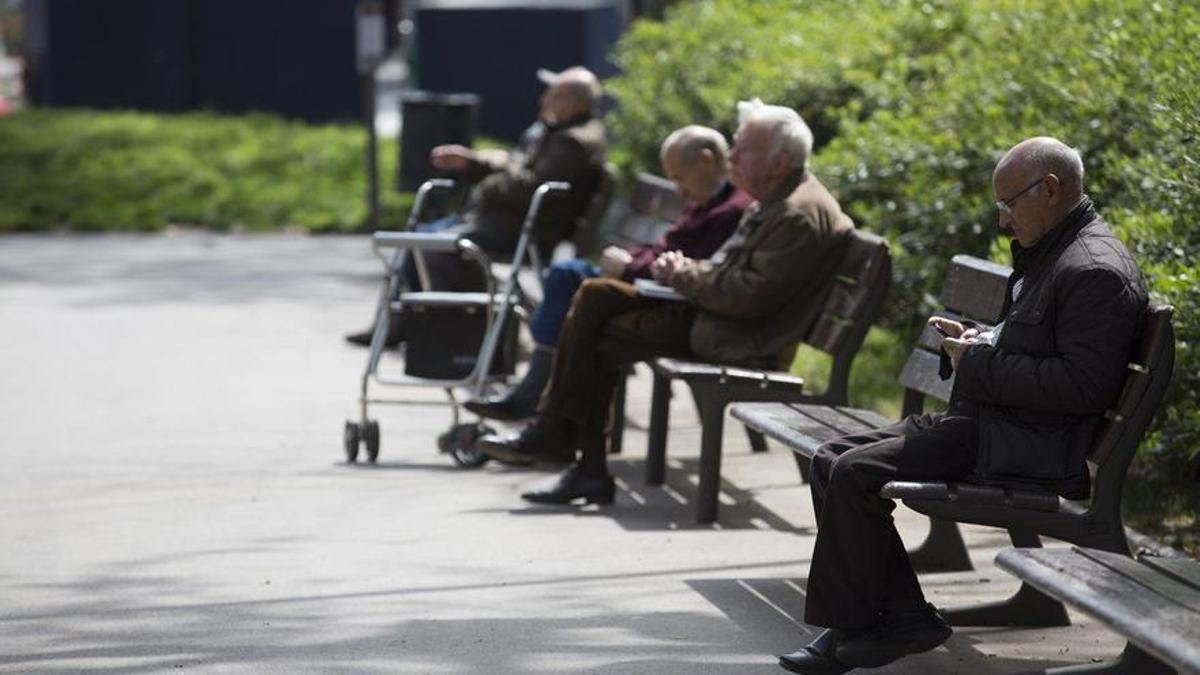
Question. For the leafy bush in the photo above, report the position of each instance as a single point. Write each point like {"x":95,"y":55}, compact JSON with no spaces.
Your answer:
{"x":815,"y":56}
{"x":917,"y":101}
{"x":94,"y":170}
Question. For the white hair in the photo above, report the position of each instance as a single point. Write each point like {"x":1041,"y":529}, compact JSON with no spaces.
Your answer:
{"x":789,"y":133}
{"x":694,"y":139}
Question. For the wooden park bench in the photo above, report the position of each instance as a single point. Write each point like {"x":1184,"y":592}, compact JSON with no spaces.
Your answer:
{"x":1153,"y":602}
{"x":862,"y":280}
{"x":652,"y":204}
{"x":974,"y":289}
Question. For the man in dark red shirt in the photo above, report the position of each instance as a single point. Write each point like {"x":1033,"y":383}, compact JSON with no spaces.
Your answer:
{"x":696,"y":158}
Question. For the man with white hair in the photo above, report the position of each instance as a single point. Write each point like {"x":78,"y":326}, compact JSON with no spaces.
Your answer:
{"x":696,"y":159}
{"x":1027,"y":399}
{"x":566,"y":144}
{"x":749,"y":304}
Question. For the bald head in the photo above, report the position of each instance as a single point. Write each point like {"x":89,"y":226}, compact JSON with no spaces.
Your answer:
{"x":1045,"y":155}
{"x":1036,"y":184}
{"x":570,"y":94}
{"x":696,"y":158}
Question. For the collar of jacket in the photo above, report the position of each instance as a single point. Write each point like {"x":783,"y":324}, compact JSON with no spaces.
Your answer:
{"x":1026,"y":259}
{"x":718,"y":197}
{"x":573,"y":122}
{"x":786,"y":188}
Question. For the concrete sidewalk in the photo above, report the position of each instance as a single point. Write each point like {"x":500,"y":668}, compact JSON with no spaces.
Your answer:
{"x":173,"y":495}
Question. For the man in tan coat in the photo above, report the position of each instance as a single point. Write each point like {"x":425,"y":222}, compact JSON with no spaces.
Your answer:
{"x":750,"y":304}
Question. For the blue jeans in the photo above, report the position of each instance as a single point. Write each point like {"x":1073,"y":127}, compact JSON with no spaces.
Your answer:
{"x":563,"y":279}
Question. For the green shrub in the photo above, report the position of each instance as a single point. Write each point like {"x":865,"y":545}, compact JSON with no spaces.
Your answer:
{"x":91,"y":170}
{"x":917,"y":101}
{"x":816,"y":56}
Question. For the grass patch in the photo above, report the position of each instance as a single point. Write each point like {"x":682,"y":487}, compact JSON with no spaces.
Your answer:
{"x":89,"y":170}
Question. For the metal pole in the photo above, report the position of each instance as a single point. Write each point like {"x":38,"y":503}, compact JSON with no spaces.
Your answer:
{"x":369,"y":105}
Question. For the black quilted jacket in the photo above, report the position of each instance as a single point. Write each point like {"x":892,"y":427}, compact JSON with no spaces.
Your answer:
{"x":1060,"y":360}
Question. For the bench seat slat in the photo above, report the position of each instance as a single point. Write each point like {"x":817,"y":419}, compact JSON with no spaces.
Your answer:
{"x":829,"y":416}
{"x":1184,"y":570}
{"x":692,"y":370}
{"x":1167,"y":630}
{"x":1168,"y":587}
{"x":870,"y":418}
{"x":798,"y":431}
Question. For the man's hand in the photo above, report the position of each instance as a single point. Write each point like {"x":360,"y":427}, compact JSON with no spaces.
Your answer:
{"x":614,"y":260}
{"x":666,"y":265}
{"x":956,"y":339}
{"x":451,"y":157}
{"x":947,"y":327}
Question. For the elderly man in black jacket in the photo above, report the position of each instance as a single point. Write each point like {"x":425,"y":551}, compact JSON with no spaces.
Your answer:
{"x":1027,"y":399}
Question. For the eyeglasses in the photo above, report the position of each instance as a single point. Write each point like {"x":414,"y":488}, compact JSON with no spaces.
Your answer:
{"x":1005,"y":205}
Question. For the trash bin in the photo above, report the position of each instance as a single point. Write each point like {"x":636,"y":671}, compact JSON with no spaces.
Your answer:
{"x":428,"y":120}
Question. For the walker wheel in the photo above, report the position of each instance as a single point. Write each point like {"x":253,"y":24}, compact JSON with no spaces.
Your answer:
{"x":370,"y":435}
{"x":350,"y":438}
{"x":460,"y":442}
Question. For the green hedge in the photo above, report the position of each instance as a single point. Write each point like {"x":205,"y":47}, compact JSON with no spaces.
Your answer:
{"x":91,"y":170}
{"x":913,"y":103}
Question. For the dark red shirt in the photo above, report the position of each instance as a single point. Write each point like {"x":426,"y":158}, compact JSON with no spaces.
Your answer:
{"x":699,"y":232}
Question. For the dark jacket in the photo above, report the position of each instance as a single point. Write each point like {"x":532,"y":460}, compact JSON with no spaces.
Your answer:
{"x":1060,"y":361}
{"x":571,"y":152}
{"x":699,"y":232}
{"x":761,"y":298}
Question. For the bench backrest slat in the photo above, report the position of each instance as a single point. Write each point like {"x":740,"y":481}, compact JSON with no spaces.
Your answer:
{"x":656,"y":196}
{"x":860,"y":284}
{"x":974,"y":290}
{"x":1146,"y":381}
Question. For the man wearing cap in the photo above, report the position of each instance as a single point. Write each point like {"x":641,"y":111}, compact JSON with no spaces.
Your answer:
{"x":567,"y":143}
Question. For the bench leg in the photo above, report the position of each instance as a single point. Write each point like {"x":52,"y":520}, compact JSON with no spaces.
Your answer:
{"x":656,"y":446}
{"x":758,"y":443}
{"x":616,"y":433}
{"x":804,"y":466}
{"x":1027,"y":607}
{"x":712,"y":419}
{"x":943,"y":549}
{"x":1132,"y":661}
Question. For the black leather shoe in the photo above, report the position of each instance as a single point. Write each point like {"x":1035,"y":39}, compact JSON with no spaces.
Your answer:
{"x":394,"y":337}
{"x":571,"y":485}
{"x":545,"y":441}
{"x":817,"y":658}
{"x":895,"y":636}
{"x":504,"y":408}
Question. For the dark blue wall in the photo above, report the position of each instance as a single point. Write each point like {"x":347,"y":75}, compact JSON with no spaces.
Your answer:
{"x":495,"y":52}
{"x":292,"y":58}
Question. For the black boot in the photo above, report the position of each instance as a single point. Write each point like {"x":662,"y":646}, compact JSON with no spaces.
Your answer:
{"x":546,"y":441}
{"x":573,"y":484}
{"x":895,"y":635}
{"x":817,"y":658}
{"x":395,"y":334}
{"x":521,"y":401}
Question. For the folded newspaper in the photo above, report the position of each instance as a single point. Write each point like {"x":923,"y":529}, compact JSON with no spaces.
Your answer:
{"x":653,"y":289}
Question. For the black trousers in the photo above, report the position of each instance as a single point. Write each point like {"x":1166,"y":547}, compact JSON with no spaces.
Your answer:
{"x":859,"y":565}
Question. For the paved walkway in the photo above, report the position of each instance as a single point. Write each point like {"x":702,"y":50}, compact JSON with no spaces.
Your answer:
{"x":172,"y":495}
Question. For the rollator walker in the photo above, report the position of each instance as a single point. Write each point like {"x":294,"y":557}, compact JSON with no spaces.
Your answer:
{"x":454,"y":340}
